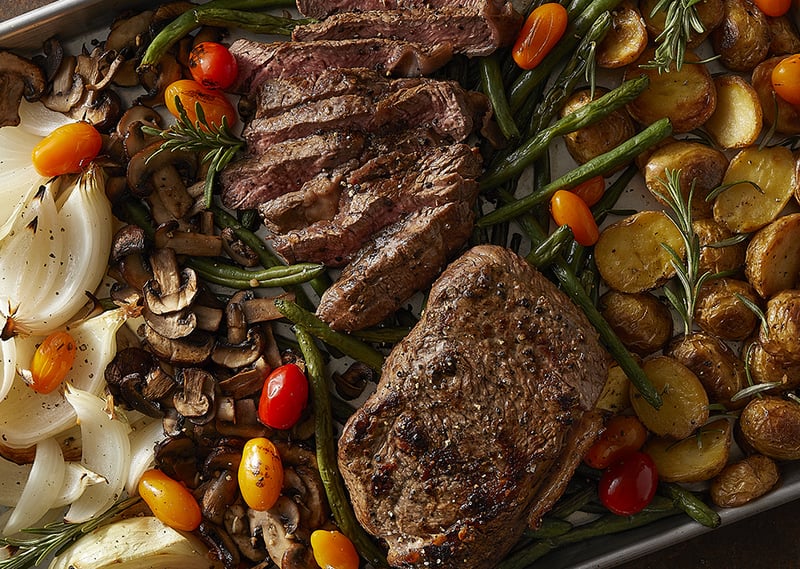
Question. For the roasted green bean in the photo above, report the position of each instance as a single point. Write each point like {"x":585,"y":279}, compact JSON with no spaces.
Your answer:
{"x":235,"y":277}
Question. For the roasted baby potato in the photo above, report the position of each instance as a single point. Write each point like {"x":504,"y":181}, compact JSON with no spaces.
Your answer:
{"x":720,"y":311}
{"x":783,"y":117}
{"x":781,"y":336}
{"x":600,"y":137}
{"x":772,"y":262}
{"x":744,"y":481}
{"x":766,"y":368}
{"x":686,"y":96}
{"x":642,"y":322}
{"x":629,"y":254}
{"x":697,"y":458}
{"x":615,"y":398}
{"x":744,"y":208}
{"x":684,"y":401}
{"x":737,"y":119}
{"x":699,"y":164}
{"x":625,"y":40}
{"x":716,"y":365}
{"x":713,"y":257}
{"x":771,"y":426}
{"x":742,"y":39}
{"x":785,"y":39}
{"x":710,"y":13}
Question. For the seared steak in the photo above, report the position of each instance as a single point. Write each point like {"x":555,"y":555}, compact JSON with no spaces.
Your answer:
{"x":468,"y":31}
{"x":323,"y":8}
{"x":480,"y":417}
{"x":401,"y":259}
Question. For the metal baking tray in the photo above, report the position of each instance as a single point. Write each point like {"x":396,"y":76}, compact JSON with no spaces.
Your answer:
{"x":83,"y":20}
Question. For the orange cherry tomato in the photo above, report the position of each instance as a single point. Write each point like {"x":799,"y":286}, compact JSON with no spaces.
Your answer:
{"x":190,"y":93}
{"x":623,"y":435}
{"x":786,"y":79}
{"x":569,"y":209}
{"x":333,"y":550}
{"x":213,"y":65}
{"x":170,"y":501}
{"x":773,"y":8}
{"x":260,"y":474}
{"x":67,"y":150}
{"x":52,"y":361}
{"x":540,"y":33}
{"x":591,"y":190}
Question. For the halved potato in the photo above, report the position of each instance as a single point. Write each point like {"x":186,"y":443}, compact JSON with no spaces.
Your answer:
{"x":781,"y":336}
{"x":737,"y":119}
{"x":743,"y":208}
{"x":742,"y":38}
{"x":630,"y":255}
{"x":625,"y":40}
{"x":785,"y":39}
{"x":783,"y":117}
{"x":614,"y":398}
{"x":744,"y":481}
{"x":772,"y":262}
{"x":684,"y":405}
{"x":642,"y":322}
{"x":700,"y":457}
{"x":713,"y":258}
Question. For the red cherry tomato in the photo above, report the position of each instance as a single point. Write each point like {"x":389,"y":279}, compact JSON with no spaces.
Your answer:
{"x":67,"y":150}
{"x":786,"y":79}
{"x":591,"y":190}
{"x":283,"y":397}
{"x":213,"y":65}
{"x":51,"y":361}
{"x":628,"y":486}
{"x":540,"y":33}
{"x":623,"y":435}
{"x":569,"y":209}
{"x":190,"y":93}
{"x":170,"y":501}
{"x":773,"y":8}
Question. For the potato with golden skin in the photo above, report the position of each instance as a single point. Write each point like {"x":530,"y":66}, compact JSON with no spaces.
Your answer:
{"x":642,"y":322}
{"x":699,"y":457}
{"x":742,"y":39}
{"x":781,"y":336}
{"x":785,"y":38}
{"x":767,"y":368}
{"x":713,"y":258}
{"x":771,"y":426}
{"x":738,"y":117}
{"x":625,"y":40}
{"x":772,"y":261}
{"x":720,"y":311}
{"x":742,"y":482}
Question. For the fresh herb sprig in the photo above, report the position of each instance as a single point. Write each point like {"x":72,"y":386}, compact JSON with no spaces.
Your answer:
{"x":681,"y":22}
{"x":217,"y":143}
{"x":53,"y":538}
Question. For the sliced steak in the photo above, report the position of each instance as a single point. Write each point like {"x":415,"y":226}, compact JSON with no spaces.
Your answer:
{"x":407,"y":184}
{"x":255,"y":179}
{"x":480,"y":417}
{"x":322,"y":8}
{"x":468,"y":31}
{"x":400,"y":260}
{"x":261,"y":61}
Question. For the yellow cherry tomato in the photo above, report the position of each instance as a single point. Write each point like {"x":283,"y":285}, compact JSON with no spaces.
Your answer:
{"x":67,"y":150}
{"x":786,"y":79}
{"x":170,"y":501}
{"x":52,"y":361}
{"x":190,"y":93}
{"x":333,"y":550}
{"x":260,"y":474}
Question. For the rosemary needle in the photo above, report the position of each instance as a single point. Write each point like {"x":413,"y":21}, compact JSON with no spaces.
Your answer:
{"x":680,"y":23}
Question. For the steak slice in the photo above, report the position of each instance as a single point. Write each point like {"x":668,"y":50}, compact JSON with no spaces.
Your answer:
{"x":322,"y":8}
{"x":480,"y":417}
{"x":400,"y":260}
{"x":467,"y":31}
{"x":261,"y":61}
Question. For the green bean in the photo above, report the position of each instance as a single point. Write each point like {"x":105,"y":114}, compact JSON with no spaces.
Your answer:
{"x":550,"y":527}
{"x":574,"y":502}
{"x":191,"y":19}
{"x":347,"y":344}
{"x":326,"y":454}
{"x":694,"y":507}
{"x":236,"y":277}
{"x":547,"y":251}
{"x":522,"y":157}
{"x":597,"y":165}
{"x":492,"y":85}
{"x":382,"y":335}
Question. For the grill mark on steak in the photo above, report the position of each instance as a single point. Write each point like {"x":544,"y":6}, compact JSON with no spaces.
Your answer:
{"x":322,"y":8}
{"x":470,"y":32}
{"x":480,"y":417}
{"x":261,"y":61}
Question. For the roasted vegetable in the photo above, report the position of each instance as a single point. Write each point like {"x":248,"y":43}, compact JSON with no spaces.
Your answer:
{"x":742,"y":39}
{"x":744,"y":481}
{"x":737,"y":119}
{"x":773,"y":256}
{"x":696,"y":458}
{"x":781,"y":334}
{"x":642,"y":321}
{"x":771,"y":426}
{"x":721,"y":312}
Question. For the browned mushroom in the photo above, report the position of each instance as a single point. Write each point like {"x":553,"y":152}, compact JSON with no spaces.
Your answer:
{"x":136,"y":380}
{"x":237,"y":249}
{"x":193,"y":349}
{"x":350,"y":384}
{"x":19,"y":77}
{"x":172,"y":288}
{"x":150,"y":170}
{"x":195,"y":401}
{"x":287,"y":543}
{"x":218,"y":494}
{"x":170,"y":234}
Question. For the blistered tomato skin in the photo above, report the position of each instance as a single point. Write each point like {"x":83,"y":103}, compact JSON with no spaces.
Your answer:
{"x":333,"y":550}
{"x":786,"y":79}
{"x":190,"y":93}
{"x":624,"y":434}
{"x":213,"y":65}
{"x":628,"y":485}
{"x":569,"y":209}
{"x":52,"y":361}
{"x":540,"y":33}
{"x":170,"y":501}
{"x":260,"y":474}
{"x":67,"y":150}
{"x":284,"y":397}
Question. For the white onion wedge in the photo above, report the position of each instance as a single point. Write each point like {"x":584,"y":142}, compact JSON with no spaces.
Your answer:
{"x":106,"y":451}
{"x":38,"y":120}
{"x":8,"y":351}
{"x":27,"y":417}
{"x":77,"y":479}
{"x":143,"y":452}
{"x":14,"y":476}
{"x":12,"y":481}
{"x":19,"y":180}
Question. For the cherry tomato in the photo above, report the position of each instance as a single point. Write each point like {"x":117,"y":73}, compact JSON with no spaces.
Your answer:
{"x":623,"y":435}
{"x":333,"y":550}
{"x":283,"y":397}
{"x":170,"y":501}
{"x":540,"y":33}
{"x":52,"y":361}
{"x":773,"y":8}
{"x":190,"y":93}
{"x":628,"y":485}
{"x":591,"y":190}
{"x":260,"y":474}
{"x":786,"y":79}
{"x":67,"y":150}
{"x":213,"y":65}
{"x":569,"y":209}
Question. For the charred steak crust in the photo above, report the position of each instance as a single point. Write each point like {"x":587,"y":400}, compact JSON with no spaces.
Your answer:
{"x":481,"y":411}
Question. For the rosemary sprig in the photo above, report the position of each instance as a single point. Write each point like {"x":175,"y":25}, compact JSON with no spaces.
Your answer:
{"x":53,"y":538}
{"x":681,"y":21}
{"x":216,"y":143}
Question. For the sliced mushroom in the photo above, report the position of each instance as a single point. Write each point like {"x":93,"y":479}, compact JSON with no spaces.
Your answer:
{"x":176,"y":456}
{"x":263,"y":309}
{"x":50,"y":59}
{"x":209,"y":318}
{"x":67,"y":87}
{"x":279,"y":530}
{"x":150,"y":170}
{"x":127,"y":240}
{"x":220,"y":492}
{"x":135,"y":379}
{"x":243,"y":345}
{"x":236,"y":523}
{"x":246,"y":425}
{"x":171,"y":289}
{"x":194,"y":349}
{"x":19,"y":77}
{"x":191,"y":243}
{"x":220,"y":543}
{"x":196,"y":399}
{"x":173,"y":325}
{"x":156,"y":79}
{"x":237,"y":249}
{"x":245,"y":383}
{"x":129,"y":129}
{"x":351,"y":383}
